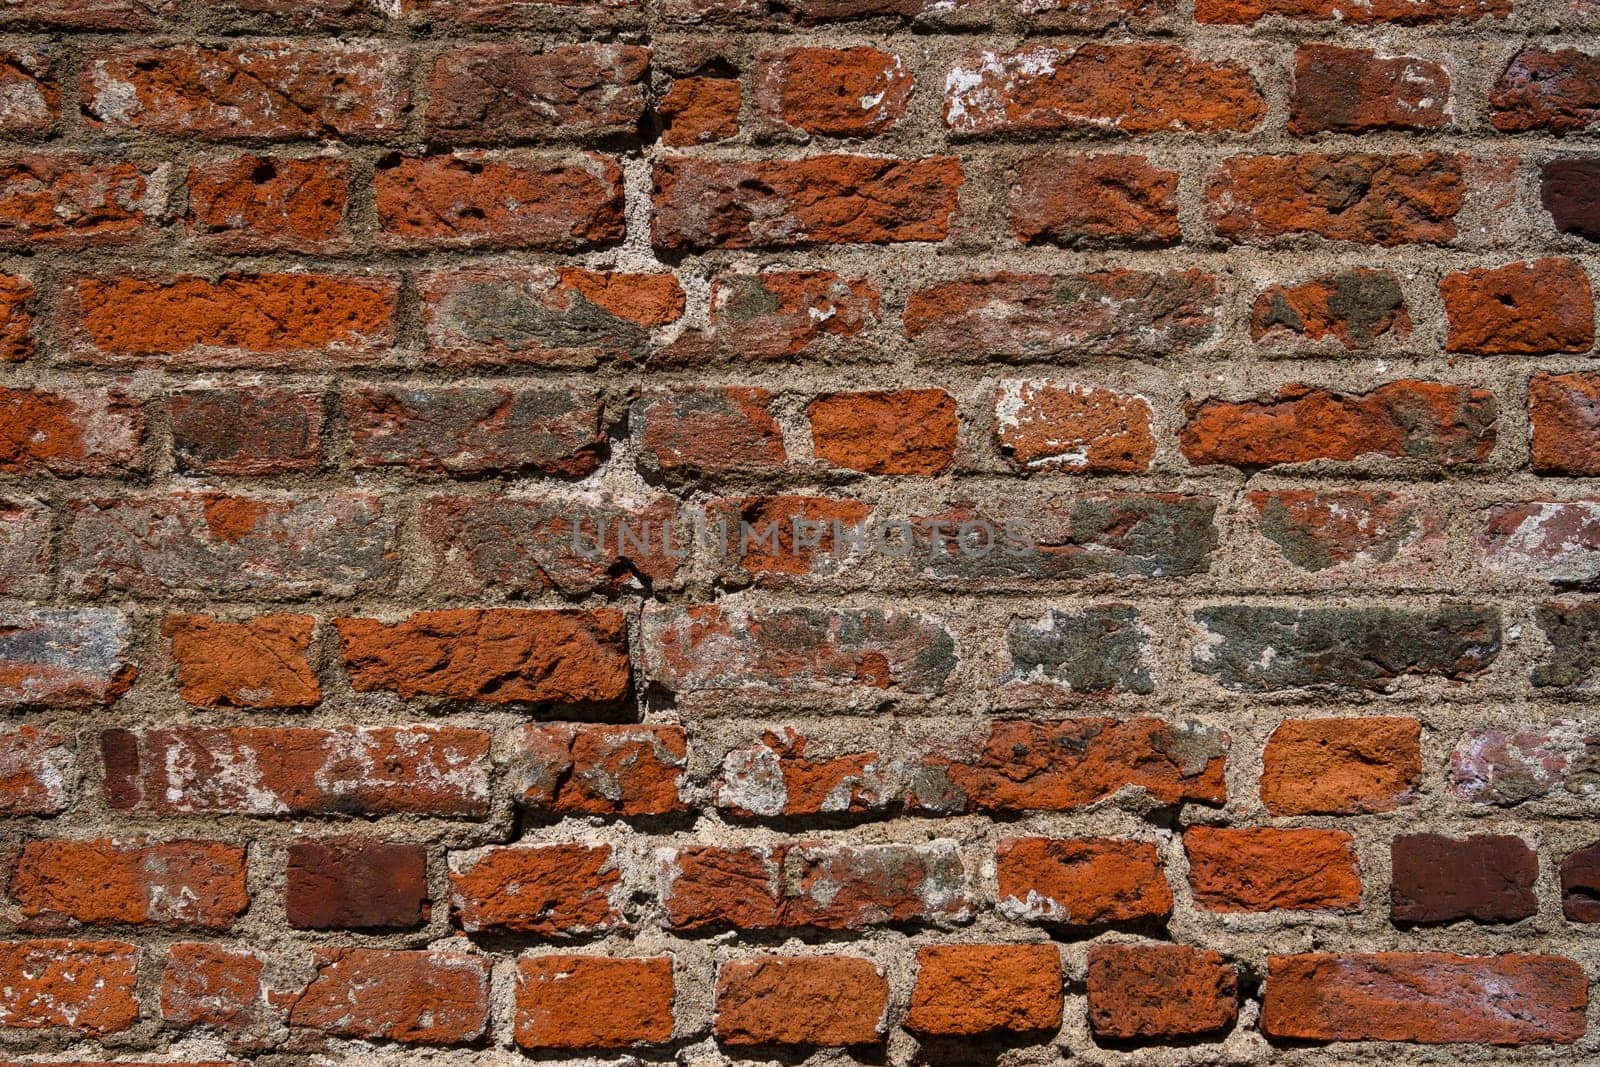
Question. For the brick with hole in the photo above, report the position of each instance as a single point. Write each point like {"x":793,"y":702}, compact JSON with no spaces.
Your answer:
{"x":65,"y":658}
{"x":1354,"y":90}
{"x":1094,"y":200}
{"x":258,"y":663}
{"x":1528,"y":308}
{"x":356,"y":883}
{"x":1052,"y":425}
{"x":1237,"y":869}
{"x":259,"y":203}
{"x":911,"y":431}
{"x":1547,"y":89}
{"x":85,"y":987}
{"x":38,"y":771}
{"x":700,"y":110}
{"x":1356,"y":307}
{"x":17,"y":296}
{"x":551,"y":891}
{"x":783,"y":775}
{"x":1556,"y":541}
{"x":30,"y":94}
{"x":1484,"y":878}
{"x":1342,"y":766}
{"x":593,"y":1002}
{"x":684,"y":435}
{"x":599,"y":768}
{"x":250,"y":431}
{"x":421,"y":997}
{"x":490,"y":93}
{"x":1569,"y":189}
{"x":178,"y":884}
{"x":1081,"y":882}
{"x":76,"y":432}
{"x":76,"y":201}
{"x":969,"y":990}
{"x":810,"y":1001}
{"x":1147,"y":992}
{"x":833,"y":92}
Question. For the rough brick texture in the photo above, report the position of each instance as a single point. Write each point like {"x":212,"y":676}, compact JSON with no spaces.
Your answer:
{"x":878,"y":533}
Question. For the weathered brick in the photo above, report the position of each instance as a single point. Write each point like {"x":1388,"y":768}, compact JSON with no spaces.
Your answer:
{"x":712,"y":649}
{"x":598,"y":769}
{"x":778,"y":314}
{"x":1528,"y":308}
{"x":1099,"y":650}
{"x":967,"y":990}
{"x":356,"y":883}
{"x":1091,"y":201}
{"x":257,"y":203}
{"x":30,"y":96}
{"x":776,"y":777}
{"x":815,"y":1001}
{"x":702,"y":204}
{"x":1046,"y":424}
{"x":550,"y":891}
{"x":1090,"y":16}
{"x":1425,"y":997}
{"x":1569,"y":189}
{"x":78,"y":431}
{"x":1341,"y":766}
{"x":1261,"y":869}
{"x":1565,"y":412}
{"x":1358,"y":12}
{"x":431,"y":998}
{"x":1060,"y":766}
{"x":175,"y":884}
{"x":262,"y":662}
{"x":276,"y":89}
{"x":1146,"y":991}
{"x":1027,"y":317}
{"x":38,"y":771}
{"x":24,"y":547}
{"x":16,"y":318}
{"x":1499,"y":766}
{"x":499,"y":201}
{"x":249,"y":431}
{"x":214,"y":986}
{"x":812,"y":12}
{"x":1133,"y":88}
{"x":836,"y":92}
{"x":89,"y":987}
{"x":1354,"y":90}
{"x":785,"y":539}
{"x":911,"y":431}
{"x":593,"y":1002}
{"x":1356,"y":306}
{"x":64,"y":657}
{"x":813,"y":884}
{"x":1081,"y":882}
{"x":519,"y":14}
{"x":1557,"y":541}
{"x":469,"y":430}
{"x":1547,"y":89}
{"x":217,"y":545}
{"x":1445,"y":425}
{"x":89,"y":14}
{"x":692,"y":433}
{"x":76,"y":201}
{"x":699,"y":111}
{"x":1573,"y":632}
{"x":570,"y":317}
{"x":1322,"y":531}
{"x":1353,"y":196}
{"x":1580,"y":885}
{"x":484,"y":93}
{"x":264,"y":770}
{"x":492,"y":656}
{"x":301,"y":14}
{"x":243,"y":320}
{"x":1486,"y":878}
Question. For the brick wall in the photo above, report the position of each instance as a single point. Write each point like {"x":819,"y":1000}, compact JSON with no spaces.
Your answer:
{"x":333,"y":332}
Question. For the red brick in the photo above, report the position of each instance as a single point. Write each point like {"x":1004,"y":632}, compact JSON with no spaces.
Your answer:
{"x":213,"y":544}
{"x":1081,"y":881}
{"x":1352,"y":196}
{"x":81,"y":431}
{"x":251,"y":431}
{"x":1132,"y":89}
{"x":466,"y":430}
{"x":493,"y":656}
{"x":699,"y":111}
{"x":1341,"y":766}
{"x":296,"y":320}
{"x":812,"y":1001}
{"x":1486,"y":878}
{"x":213,"y":986}
{"x":269,"y":204}
{"x":701,"y":204}
{"x":1569,"y":189}
{"x":1552,"y":540}
{"x":74,"y":201}
{"x":30,"y":97}
{"x":593,"y":1002}
{"x":967,"y":990}
{"x":89,"y":14}
{"x":1089,"y":201}
{"x":174,"y":884}
{"x":692,"y":433}
{"x":836,"y":92}
{"x":1042,"y":424}
{"x":276,"y":90}
{"x":1239,"y":869}
{"x":24,"y":547}
{"x":89,"y":987}
{"x":1580,"y":885}
{"x":1358,"y":12}
{"x":485,"y":93}
{"x":1091,"y":16}
{"x":812,"y":884}
{"x":549,"y":891}
{"x":1354,"y":90}
{"x":1441,"y":424}
{"x":1528,"y":308}
{"x":16,"y":318}
{"x":1059,"y":766}
{"x":783,"y":539}
{"x":776,"y":777}
{"x":259,"y":663}
{"x":416,"y":998}
{"x":1027,"y":317}
{"x":1547,"y":89}
{"x":813,"y":12}
{"x":912,"y":431}
{"x":500,"y":201}
{"x":64,"y":658}
{"x":38,"y":771}
{"x":563,"y":318}
{"x":1565,"y":412}
{"x":1424,"y":997}
{"x":265,"y":770}
{"x":356,"y":883}
{"x":1356,"y":306}
{"x":597,"y":769}
{"x":1145,"y":991}
{"x":777,"y":314}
